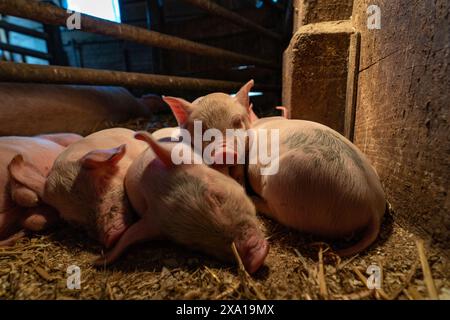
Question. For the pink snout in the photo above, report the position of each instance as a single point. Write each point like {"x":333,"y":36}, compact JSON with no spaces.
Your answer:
{"x":225,"y":155}
{"x":111,"y":231}
{"x":253,"y":252}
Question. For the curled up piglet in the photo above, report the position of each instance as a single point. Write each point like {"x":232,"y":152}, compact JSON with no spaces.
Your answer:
{"x":21,"y":208}
{"x":309,"y":178}
{"x":315,"y":181}
{"x":190,"y":204}
{"x":86,"y":183}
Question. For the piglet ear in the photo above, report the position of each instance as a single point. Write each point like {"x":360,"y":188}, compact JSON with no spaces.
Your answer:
{"x":162,"y":153}
{"x":27,"y":174}
{"x":251,"y":114}
{"x":284,"y":112}
{"x":103,"y":157}
{"x":181,"y":109}
{"x":243,"y":94}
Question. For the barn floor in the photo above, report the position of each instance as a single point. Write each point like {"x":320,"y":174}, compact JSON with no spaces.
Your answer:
{"x":35,"y":268}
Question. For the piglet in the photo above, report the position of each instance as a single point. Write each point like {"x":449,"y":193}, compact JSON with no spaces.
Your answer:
{"x":318,"y":183}
{"x":190,"y":204}
{"x":168,"y":134}
{"x":218,"y":111}
{"x":86,"y":183}
{"x":32,"y":108}
{"x":20,"y":206}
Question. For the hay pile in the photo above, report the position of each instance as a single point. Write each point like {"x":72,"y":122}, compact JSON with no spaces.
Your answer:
{"x":298,"y":267}
{"x":36,"y":269}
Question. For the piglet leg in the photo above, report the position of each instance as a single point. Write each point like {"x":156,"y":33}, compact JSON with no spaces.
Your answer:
{"x":39,"y":218}
{"x":140,"y":231}
{"x":369,"y":236}
{"x":22,"y":195}
{"x":33,"y":219}
{"x":9,"y":225}
{"x":11,"y":241}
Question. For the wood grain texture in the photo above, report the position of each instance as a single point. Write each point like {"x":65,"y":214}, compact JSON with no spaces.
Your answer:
{"x":313,"y":11}
{"x":402,"y":114}
{"x":315,"y":71}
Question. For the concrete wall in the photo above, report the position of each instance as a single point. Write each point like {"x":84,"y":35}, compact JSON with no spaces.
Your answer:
{"x":402,"y":113}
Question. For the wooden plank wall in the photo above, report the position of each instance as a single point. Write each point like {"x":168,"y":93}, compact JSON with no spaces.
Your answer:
{"x":402,"y":114}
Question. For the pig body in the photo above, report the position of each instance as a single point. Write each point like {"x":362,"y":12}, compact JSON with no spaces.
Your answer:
{"x":86,"y":183}
{"x":324,"y":184}
{"x":193,"y":205}
{"x":101,"y":205}
{"x":166,"y":134}
{"x":31,"y":109}
{"x":63,"y":139}
{"x":20,"y":206}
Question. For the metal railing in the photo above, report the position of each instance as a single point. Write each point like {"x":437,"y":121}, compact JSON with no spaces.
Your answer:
{"x":52,"y":15}
{"x":10,"y":71}
{"x":219,"y":11}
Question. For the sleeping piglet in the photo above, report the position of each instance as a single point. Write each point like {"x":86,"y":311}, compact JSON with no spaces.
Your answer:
{"x":190,"y":204}
{"x":20,"y":206}
{"x":323,"y":184}
{"x":219,"y":111}
{"x":86,"y":183}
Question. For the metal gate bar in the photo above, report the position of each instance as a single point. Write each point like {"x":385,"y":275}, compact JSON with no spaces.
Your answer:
{"x":217,"y":10}
{"x":10,"y":71}
{"x":52,"y":15}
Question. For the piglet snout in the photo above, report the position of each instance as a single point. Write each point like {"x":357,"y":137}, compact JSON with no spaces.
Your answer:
{"x":225,"y":155}
{"x":112,"y":229}
{"x":253,"y":252}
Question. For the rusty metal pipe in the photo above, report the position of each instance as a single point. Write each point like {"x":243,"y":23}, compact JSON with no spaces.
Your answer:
{"x":22,"y":72}
{"x":49,"y":14}
{"x":219,"y":11}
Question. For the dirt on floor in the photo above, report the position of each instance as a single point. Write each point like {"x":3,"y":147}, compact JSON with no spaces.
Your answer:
{"x":298,"y":266}
{"x":36,"y":268}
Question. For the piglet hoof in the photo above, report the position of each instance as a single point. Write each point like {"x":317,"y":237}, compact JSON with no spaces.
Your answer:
{"x":99,"y":261}
{"x":40,"y":218}
{"x":103,"y":260}
{"x":11,"y":241}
